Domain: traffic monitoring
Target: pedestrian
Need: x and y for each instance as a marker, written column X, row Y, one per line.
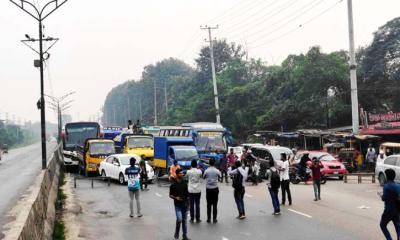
column 179, row 192
column 316, row 176
column 132, row 173
column 194, row 177
column 239, row 174
column 370, row 158
column 172, row 170
column 223, row 167
column 390, row 196
column 143, row 175
column 211, row 175
column 303, row 166
column 273, row 183
column 285, row 183
column 232, row 158
column 381, row 157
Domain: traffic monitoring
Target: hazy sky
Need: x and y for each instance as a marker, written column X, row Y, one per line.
column 104, row 43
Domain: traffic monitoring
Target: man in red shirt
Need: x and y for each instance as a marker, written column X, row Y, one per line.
column 316, row 175
column 232, row 158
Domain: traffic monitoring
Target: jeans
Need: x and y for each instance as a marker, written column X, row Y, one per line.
column 194, row 199
column 143, row 181
column 286, row 190
column 275, row 200
column 386, row 218
column 212, row 202
column 181, row 215
column 317, row 188
column 134, row 194
column 239, row 195
column 224, row 173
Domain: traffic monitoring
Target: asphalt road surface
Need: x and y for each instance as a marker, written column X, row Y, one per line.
column 18, row 169
column 346, row 211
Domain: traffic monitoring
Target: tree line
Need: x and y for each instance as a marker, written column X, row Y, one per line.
column 310, row 90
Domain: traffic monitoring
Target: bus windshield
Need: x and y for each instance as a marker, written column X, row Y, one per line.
column 76, row 134
column 140, row 142
column 102, row 148
column 210, row 142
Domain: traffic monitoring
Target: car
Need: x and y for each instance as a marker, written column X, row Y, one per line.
column 391, row 162
column 332, row 165
column 114, row 167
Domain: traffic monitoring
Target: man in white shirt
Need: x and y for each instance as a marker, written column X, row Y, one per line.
column 381, row 157
column 285, row 182
column 194, row 177
column 238, row 172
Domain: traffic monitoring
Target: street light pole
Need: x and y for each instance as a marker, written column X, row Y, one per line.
column 40, row 16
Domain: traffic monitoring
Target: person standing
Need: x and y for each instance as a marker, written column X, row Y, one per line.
column 133, row 186
column 381, row 157
column 273, row 183
column 212, row 175
column 223, row 167
column 390, row 196
column 239, row 174
column 232, row 158
column 143, row 175
column 172, row 170
column 179, row 192
column 285, row 183
column 370, row 158
column 194, row 177
column 316, row 175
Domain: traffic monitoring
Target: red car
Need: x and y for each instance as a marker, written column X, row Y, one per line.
column 332, row 166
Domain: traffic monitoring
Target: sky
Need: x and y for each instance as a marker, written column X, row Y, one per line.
column 105, row 43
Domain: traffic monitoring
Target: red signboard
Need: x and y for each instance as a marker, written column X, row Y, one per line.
column 383, row 117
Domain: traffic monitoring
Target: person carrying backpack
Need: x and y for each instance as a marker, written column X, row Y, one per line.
column 133, row 186
column 274, row 183
column 239, row 174
column 390, row 196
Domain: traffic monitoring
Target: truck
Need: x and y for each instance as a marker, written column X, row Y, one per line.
column 92, row 153
column 168, row 149
column 139, row 144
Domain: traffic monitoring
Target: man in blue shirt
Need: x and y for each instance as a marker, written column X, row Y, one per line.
column 133, row 186
column 391, row 191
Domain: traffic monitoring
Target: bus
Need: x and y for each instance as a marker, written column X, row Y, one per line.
column 74, row 135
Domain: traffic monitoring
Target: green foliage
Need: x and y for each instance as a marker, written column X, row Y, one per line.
column 14, row 135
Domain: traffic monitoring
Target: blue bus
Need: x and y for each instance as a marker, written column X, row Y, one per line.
column 211, row 139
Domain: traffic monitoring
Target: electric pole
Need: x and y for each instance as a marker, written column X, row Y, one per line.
column 129, row 109
column 213, row 70
column 40, row 16
column 155, row 102
column 166, row 98
column 353, row 71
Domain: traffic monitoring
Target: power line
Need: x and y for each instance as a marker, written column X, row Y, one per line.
column 299, row 26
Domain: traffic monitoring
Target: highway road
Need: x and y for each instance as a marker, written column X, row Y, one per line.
column 347, row 211
column 18, row 170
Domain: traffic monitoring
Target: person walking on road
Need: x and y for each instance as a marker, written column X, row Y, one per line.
column 172, row 170
column 179, row 192
column 212, row 175
column 285, row 183
column 273, row 183
column 239, row 174
column 194, row 177
column 390, row 196
column 223, row 167
column 143, row 175
column 316, row 176
column 232, row 158
column 133, row 186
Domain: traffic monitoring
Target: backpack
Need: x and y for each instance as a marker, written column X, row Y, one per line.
column 133, row 184
column 237, row 182
column 275, row 180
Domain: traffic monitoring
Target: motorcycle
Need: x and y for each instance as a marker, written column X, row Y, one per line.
column 295, row 178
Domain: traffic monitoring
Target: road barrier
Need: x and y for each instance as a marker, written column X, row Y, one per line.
column 92, row 179
column 35, row 213
column 360, row 177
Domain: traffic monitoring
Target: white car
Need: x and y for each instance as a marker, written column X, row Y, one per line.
column 392, row 162
column 114, row 167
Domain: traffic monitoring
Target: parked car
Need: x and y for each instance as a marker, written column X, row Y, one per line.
column 114, row 167
column 391, row 162
column 332, row 165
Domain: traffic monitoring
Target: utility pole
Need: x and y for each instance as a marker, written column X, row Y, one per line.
column 155, row 102
column 166, row 98
column 140, row 109
column 129, row 109
column 40, row 16
column 213, row 70
column 353, row 73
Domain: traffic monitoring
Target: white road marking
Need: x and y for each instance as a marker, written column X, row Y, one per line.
column 158, row 195
column 300, row 213
column 224, row 238
column 248, row 195
column 363, row 207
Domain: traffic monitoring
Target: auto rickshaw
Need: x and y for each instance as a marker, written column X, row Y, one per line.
column 390, row 148
column 349, row 158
